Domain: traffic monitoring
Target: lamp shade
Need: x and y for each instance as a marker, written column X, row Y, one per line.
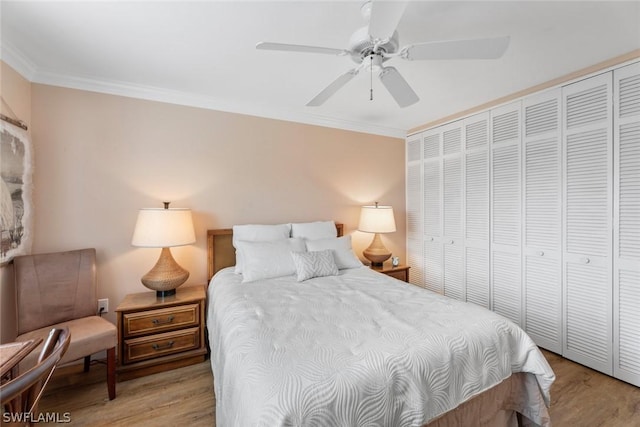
column 163, row 228
column 377, row 219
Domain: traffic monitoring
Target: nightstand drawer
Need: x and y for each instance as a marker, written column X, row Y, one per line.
column 400, row 275
column 400, row 272
column 164, row 319
column 150, row 347
column 158, row 334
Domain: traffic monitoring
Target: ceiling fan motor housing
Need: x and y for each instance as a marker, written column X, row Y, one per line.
column 361, row 45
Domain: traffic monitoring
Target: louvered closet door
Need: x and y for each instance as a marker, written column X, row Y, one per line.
column 505, row 212
column 476, row 209
column 587, row 145
column 415, row 257
column 542, row 203
column 452, row 241
column 432, row 193
column 626, row 265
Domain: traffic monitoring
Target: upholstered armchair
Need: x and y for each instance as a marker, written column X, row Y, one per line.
column 58, row 290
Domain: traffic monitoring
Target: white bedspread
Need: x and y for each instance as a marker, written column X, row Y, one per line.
column 358, row 349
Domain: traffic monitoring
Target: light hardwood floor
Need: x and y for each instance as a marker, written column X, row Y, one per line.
column 580, row 397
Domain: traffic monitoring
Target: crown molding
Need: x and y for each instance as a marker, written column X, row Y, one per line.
column 28, row 70
column 17, row 60
column 151, row 93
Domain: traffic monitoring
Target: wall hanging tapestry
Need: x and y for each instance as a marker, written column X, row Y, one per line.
column 15, row 196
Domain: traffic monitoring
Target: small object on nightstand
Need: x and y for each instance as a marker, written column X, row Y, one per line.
column 400, row 272
column 395, row 261
column 159, row 334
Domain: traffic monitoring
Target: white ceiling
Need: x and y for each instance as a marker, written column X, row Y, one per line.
column 203, row 53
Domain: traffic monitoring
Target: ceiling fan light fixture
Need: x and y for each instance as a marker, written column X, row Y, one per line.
column 373, row 63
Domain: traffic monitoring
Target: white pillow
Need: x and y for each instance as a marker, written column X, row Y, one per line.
column 314, row 230
column 314, row 264
column 341, row 247
column 265, row 260
column 257, row 233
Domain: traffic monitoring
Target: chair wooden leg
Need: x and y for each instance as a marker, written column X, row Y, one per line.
column 87, row 362
column 111, row 372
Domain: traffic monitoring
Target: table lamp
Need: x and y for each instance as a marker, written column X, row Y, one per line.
column 164, row 228
column 377, row 219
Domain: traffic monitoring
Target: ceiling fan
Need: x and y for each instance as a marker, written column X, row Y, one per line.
column 373, row 45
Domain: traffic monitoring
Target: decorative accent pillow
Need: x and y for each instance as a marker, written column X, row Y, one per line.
column 314, row 264
column 314, row 230
column 257, row 233
column 265, row 260
column 341, row 248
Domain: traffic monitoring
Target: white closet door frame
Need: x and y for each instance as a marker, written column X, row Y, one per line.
column 587, row 345
column 432, row 228
column 542, row 254
column 626, row 219
column 599, row 270
column 415, row 257
column 506, row 227
column 476, row 142
column 452, row 210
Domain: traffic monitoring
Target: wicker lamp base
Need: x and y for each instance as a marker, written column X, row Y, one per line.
column 166, row 275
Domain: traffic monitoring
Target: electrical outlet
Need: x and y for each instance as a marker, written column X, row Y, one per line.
column 103, row 304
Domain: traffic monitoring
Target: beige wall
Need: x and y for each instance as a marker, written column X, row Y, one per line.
column 99, row 158
column 16, row 103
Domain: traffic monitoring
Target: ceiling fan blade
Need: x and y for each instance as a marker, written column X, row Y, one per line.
column 491, row 48
column 300, row 48
column 385, row 16
column 398, row 87
column 332, row 88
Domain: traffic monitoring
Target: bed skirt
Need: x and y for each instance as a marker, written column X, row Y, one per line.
column 508, row 404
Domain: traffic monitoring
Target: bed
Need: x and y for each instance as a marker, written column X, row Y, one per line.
column 359, row 348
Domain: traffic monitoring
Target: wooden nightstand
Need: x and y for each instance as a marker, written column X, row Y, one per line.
column 159, row 334
column 400, row 272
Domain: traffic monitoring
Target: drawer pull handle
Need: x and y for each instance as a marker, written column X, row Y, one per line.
column 162, row 347
column 451, row 242
column 540, row 253
column 586, row 260
column 162, row 322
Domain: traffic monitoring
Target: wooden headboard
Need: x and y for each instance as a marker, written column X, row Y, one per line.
column 220, row 251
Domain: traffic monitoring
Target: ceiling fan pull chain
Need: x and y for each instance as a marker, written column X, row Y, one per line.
column 371, row 79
